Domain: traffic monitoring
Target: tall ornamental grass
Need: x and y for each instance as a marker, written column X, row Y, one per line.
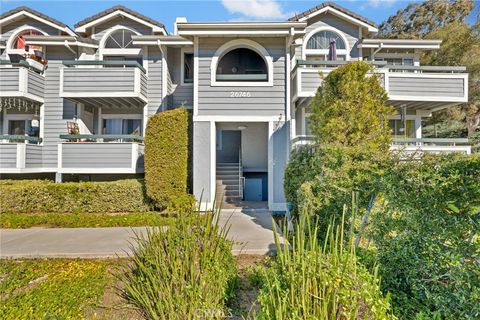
column 310, row 280
column 184, row 272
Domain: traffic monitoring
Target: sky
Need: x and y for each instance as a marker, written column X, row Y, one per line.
column 165, row 11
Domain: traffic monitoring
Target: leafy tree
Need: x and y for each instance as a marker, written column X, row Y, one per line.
column 419, row 19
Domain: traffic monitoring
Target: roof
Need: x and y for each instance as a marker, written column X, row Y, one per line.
column 334, row 6
column 35, row 13
column 118, row 8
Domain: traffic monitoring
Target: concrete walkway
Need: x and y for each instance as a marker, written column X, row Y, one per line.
column 250, row 229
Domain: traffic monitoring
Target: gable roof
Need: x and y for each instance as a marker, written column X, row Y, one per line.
column 81, row 25
column 36, row 15
column 325, row 5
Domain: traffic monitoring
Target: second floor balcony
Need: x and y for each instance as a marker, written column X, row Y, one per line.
column 419, row 84
column 20, row 84
column 111, row 83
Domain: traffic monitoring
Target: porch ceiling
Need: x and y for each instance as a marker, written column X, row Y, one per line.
column 115, row 102
column 422, row 105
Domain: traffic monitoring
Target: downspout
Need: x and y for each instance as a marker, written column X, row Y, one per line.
column 70, row 48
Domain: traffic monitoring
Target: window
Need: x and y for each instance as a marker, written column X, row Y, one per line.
column 122, row 126
column 308, row 125
column 187, row 67
column 321, row 40
column 397, row 61
column 403, row 130
column 19, row 41
column 120, row 39
column 22, row 128
column 242, row 64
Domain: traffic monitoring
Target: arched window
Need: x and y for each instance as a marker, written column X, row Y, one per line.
column 242, row 64
column 19, row 41
column 321, row 40
column 120, row 39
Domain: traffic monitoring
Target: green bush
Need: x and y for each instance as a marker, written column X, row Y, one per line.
column 167, row 152
column 425, row 230
column 313, row 281
column 302, row 166
column 185, row 272
column 42, row 196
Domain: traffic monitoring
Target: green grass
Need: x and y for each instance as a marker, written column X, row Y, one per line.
column 79, row 220
column 52, row 289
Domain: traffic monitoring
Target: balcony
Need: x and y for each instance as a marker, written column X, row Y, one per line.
column 20, row 154
column 102, row 154
column 110, row 83
column 411, row 146
column 20, row 84
column 417, row 87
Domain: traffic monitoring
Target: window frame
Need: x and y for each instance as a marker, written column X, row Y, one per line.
column 184, row 51
column 118, row 51
column 123, row 116
column 319, row 52
column 237, row 44
column 11, row 40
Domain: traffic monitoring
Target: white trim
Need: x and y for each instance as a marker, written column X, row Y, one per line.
column 116, row 51
column 155, row 28
column 370, row 28
column 183, row 51
column 59, row 155
column 121, row 52
column 234, row 33
column 213, row 161
column 195, row 77
column 9, row 45
column 164, row 53
column 42, row 123
column 99, row 170
column 235, row 44
column 270, row 164
column 27, row 170
column 107, row 94
column 252, row 118
column 28, row 14
column 306, row 51
column 134, row 156
column 123, row 116
column 288, row 73
column 61, row 43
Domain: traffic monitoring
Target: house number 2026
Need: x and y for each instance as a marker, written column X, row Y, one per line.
column 240, row 94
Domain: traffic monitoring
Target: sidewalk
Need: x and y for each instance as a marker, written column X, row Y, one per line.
column 251, row 229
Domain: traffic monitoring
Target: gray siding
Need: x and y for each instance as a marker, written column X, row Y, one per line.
column 329, row 20
column 9, row 78
column 33, row 156
column 97, row 155
column 154, row 81
column 268, row 101
column 8, row 155
column 179, row 94
column 201, row 161
column 438, row 87
column 36, row 84
column 103, row 80
column 280, row 159
column 57, row 110
column 310, row 81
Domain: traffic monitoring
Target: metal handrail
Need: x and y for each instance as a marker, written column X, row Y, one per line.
column 449, row 69
column 111, row 63
column 17, row 137
column 101, row 137
column 438, row 141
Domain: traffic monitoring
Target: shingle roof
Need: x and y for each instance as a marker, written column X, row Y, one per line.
column 335, row 6
column 34, row 12
column 116, row 8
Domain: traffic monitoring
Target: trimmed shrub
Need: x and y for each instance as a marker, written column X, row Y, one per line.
column 185, row 272
column 310, row 280
column 42, row 196
column 167, row 153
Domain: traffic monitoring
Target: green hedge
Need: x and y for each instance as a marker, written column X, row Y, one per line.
column 167, row 152
column 41, row 196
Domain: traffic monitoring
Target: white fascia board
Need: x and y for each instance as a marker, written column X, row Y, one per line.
column 345, row 16
column 28, row 14
column 233, row 32
column 62, row 43
column 240, row 25
column 109, row 16
column 163, row 42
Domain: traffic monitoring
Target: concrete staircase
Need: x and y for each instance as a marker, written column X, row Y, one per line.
column 228, row 177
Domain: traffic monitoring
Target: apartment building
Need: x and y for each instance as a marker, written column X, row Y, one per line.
column 75, row 100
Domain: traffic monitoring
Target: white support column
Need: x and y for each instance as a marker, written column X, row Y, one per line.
column 21, row 150
column 270, row 164
column 195, row 76
column 99, row 121
column 213, row 162
column 134, row 157
column 42, row 123
column 58, row 177
column 418, row 127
